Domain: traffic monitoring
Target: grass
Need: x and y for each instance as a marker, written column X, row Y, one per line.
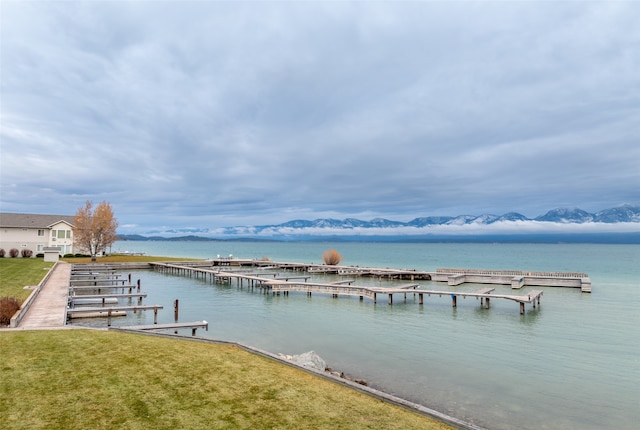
column 17, row 273
column 106, row 379
column 121, row 258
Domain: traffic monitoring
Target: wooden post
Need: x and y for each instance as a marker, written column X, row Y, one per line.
column 521, row 308
column 155, row 315
column 175, row 310
column 420, row 298
column 129, row 277
column 390, row 298
column 454, row 301
column 486, row 303
column 109, row 318
column 138, row 285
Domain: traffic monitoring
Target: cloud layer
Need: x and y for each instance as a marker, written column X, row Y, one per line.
column 212, row 114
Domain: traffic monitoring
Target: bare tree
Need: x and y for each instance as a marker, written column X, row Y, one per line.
column 95, row 229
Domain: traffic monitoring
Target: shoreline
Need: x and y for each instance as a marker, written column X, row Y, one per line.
column 381, row 395
column 61, row 285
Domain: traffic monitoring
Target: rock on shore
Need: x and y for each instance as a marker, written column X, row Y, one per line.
column 311, row 360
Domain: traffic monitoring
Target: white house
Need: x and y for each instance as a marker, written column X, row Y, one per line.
column 36, row 232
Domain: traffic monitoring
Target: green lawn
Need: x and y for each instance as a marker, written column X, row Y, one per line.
column 16, row 273
column 80, row 379
column 121, row 258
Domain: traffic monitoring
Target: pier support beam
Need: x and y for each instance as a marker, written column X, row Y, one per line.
column 454, row 300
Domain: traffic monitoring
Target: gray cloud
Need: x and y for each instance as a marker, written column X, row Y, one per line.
column 214, row 114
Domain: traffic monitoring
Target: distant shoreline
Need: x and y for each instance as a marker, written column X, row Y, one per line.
column 632, row 238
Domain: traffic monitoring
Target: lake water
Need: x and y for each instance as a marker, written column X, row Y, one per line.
column 571, row 363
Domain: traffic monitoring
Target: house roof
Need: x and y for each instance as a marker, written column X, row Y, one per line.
column 33, row 220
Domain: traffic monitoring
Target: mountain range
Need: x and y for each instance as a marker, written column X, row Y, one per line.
column 614, row 222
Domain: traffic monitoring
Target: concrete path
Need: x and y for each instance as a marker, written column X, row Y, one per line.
column 48, row 310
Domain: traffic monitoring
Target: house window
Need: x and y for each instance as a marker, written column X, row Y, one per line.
column 61, row 234
column 40, row 232
column 68, row 234
column 40, row 248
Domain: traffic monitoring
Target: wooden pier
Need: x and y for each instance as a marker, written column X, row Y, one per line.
column 516, row 278
column 170, row 326
column 105, row 277
column 109, row 310
column 73, row 298
column 273, row 284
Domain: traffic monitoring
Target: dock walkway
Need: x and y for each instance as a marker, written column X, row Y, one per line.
column 283, row 284
column 48, row 308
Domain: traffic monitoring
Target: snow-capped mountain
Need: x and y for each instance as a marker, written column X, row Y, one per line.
column 563, row 215
column 624, row 213
column 442, row 224
column 620, row 220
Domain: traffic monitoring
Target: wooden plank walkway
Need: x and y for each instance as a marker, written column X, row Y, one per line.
column 102, row 287
column 106, row 296
column 114, row 308
column 170, row 326
column 516, row 278
column 110, row 310
column 283, row 286
column 48, row 308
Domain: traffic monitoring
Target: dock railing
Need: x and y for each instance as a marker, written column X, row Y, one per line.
column 485, row 272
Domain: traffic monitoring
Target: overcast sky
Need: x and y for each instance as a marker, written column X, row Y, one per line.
column 209, row 114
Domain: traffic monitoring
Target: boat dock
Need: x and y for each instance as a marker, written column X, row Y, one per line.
column 99, row 284
column 516, row 278
column 175, row 326
column 279, row 284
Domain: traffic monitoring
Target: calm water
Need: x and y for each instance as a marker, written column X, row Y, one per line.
column 572, row 363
